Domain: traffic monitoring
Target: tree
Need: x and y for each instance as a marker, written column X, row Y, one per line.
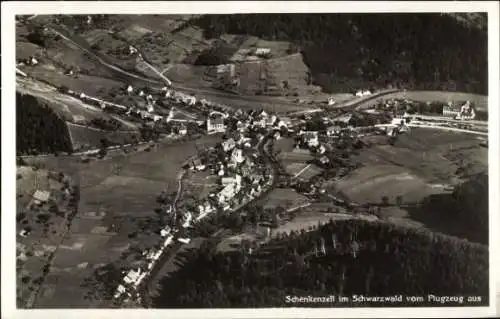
column 399, row 200
column 385, row 200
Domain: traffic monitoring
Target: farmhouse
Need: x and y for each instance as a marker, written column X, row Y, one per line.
column 333, row 130
column 263, row 52
column 41, row 197
column 467, row 112
column 228, row 145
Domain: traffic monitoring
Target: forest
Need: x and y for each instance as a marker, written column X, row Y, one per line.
column 344, row 52
column 338, row 258
column 466, row 207
column 38, row 128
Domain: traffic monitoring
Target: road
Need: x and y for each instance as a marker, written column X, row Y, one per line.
column 187, row 89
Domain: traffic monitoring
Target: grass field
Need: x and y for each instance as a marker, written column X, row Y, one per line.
column 414, row 166
column 284, row 197
column 89, row 138
column 124, row 188
column 88, row 84
column 69, row 108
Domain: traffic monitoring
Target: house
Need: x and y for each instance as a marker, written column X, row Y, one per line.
column 228, row 145
column 33, row 61
column 197, row 165
column 228, row 180
column 311, row 138
column 467, row 112
column 168, row 240
column 41, row 197
column 132, row 276
column 119, row 291
column 324, row 160
column 271, row 120
column 263, row 52
column 184, row 240
column 182, row 130
column 157, row 118
column 165, row 231
column 215, row 124
column 284, row 121
column 331, row 101
column 187, row 219
column 237, row 156
column 241, row 126
column 132, row 50
column 333, row 130
column 277, row 135
column 227, row 193
column 321, row 149
column 130, row 89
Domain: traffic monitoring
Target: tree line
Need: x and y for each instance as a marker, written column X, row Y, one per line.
column 360, row 257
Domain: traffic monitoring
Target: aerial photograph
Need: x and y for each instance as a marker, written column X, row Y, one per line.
column 269, row 160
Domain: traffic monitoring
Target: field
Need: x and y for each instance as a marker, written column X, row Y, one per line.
column 46, row 232
column 115, row 195
column 90, row 85
column 83, row 137
column 421, row 163
column 284, row 197
column 70, row 108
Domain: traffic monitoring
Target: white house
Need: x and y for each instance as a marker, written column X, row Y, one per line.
column 165, row 231
column 331, row 101
column 321, row 149
column 467, row 112
column 157, row 117
column 215, row 124
column 198, row 165
column 141, row 93
column 119, row 291
column 41, row 197
column 228, row 145
column 184, row 240
column 130, row 89
column 187, row 219
column 132, row 276
column 333, row 130
column 262, row 51
column 183, row 130
column 237, row 156
column 228, row 180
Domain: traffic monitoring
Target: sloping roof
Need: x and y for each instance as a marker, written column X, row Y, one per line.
column 42, row 196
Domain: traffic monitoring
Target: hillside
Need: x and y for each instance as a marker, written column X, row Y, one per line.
column 345, row 51
column 369, row 258
column 39, row 129
column 336, row 52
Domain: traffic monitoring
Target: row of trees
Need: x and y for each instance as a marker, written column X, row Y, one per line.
column 39, row 128
column 359, row 257
column 346, row 50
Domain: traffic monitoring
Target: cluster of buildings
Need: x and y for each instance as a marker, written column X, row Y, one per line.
column 464, row 112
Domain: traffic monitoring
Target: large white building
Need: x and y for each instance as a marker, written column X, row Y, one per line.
column 215, row 124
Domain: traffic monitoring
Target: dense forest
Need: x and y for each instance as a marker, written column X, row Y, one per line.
column 465, row 210
column 39, row 129
column 346, row 51
column 360, row 257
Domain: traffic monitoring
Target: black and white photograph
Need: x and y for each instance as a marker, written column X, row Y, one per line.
column 250, row 159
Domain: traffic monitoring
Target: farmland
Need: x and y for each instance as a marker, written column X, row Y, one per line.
column 117, row 196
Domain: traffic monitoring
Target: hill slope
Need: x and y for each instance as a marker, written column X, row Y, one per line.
column 349, row 50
